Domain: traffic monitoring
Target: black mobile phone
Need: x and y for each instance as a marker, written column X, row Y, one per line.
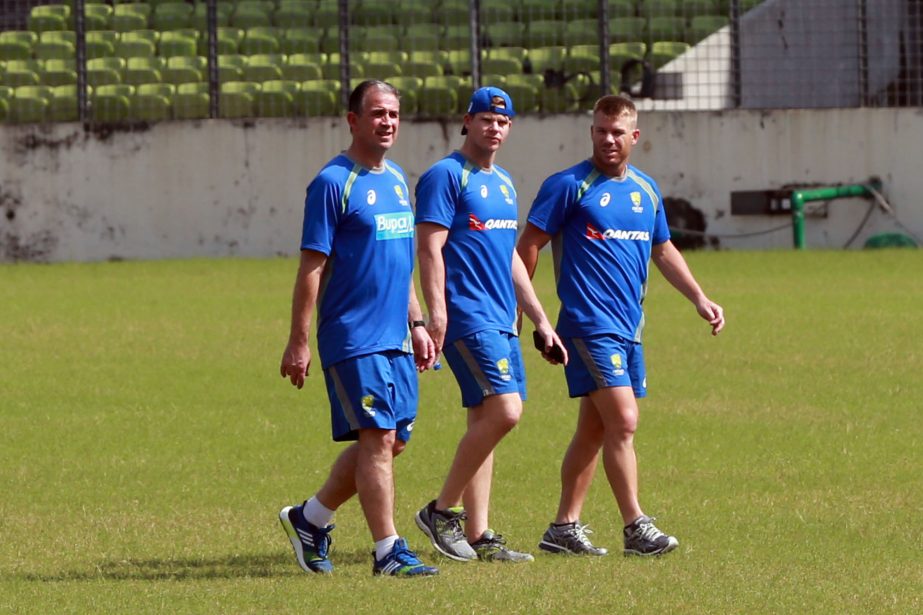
column 555, row 353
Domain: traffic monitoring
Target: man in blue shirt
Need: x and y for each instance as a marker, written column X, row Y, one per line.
column 356, row 265
column 467, row 216
column 606, row 221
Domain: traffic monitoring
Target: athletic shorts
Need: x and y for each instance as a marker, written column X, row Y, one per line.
column 600, row 361
column 373, row 391
column 486, row 363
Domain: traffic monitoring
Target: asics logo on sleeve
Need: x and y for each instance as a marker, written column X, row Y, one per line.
column 493, row 223
column 394, row 225
column 593, row 233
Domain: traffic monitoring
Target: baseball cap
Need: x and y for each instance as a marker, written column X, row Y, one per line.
column 482, row 101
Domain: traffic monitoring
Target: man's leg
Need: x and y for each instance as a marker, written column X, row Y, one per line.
column 374, row 480
column 341, row 483
column 579, row 464
column 618, row 412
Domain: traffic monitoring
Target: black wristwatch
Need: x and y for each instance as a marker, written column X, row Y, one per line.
column 413, row 324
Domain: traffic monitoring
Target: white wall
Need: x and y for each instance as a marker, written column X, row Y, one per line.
column 215, row 188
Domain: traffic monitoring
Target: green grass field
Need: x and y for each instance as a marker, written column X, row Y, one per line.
column 147, row 443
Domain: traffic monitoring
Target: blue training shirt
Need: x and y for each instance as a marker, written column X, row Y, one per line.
column 603, row 229
column 479, row 208
column 363, row 221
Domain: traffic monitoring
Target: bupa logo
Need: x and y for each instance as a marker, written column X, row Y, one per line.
column 636, row 203
column 371, row 197
column 400, row 196
column 397, row 225
column 593, row 233
column 475, row 224
column 604, row 200
column 506, row 194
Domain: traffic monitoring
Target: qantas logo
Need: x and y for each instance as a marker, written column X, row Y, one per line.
column 476, row 225
column 593, row 233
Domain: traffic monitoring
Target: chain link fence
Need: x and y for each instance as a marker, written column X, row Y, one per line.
column 175, row 60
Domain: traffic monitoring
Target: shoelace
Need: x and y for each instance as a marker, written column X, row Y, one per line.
column 649, row 531
column 322, row 542
column 454, row 523
column 580, row 533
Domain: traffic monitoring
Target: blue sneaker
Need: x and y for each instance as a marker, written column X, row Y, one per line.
column 402, row 562
column 311, row 543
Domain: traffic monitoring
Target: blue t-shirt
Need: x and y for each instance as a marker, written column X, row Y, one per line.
column 603, row 229
column 363, row 221
column 479, row 208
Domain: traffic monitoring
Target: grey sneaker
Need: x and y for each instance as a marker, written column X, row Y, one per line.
column 643, row 538
column 569, row 538
column 491, row 547
column 443, row 527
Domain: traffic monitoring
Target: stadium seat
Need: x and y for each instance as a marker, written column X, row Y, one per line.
column 21, row 73
column 582, row 59
column 414, row 68
column 494, row 80
column 436, row 57
column 314, row 102
column 421, row 41
column 328, row 85
column 178, row 70
column 501, row 66
column 516, row 53
column 620, row 53
column 127, row 17
column 459, row 61
column 409, row 88
column 661, row 8
column 29, row 104
column 63, row 105
column 135, row 48
column 326, row 17
column 294, row 14
column 666, row 29
column 101, row 43
column 142, row 70
column 530, row 11
column 228, row 40
column 452, row 13
column 177, row 43
column 456, row 37
column 579, row 9
column 544, row 34
column 48, row 17
column 375, row 13
column 251, row 14
column 541, row 59
column 112, row 103
column 105, row 71
column 331, row 70
column 524, row 96
column 627, row 29
column 437, row 100
column 303, row 67
column 622, row 8
column 153, row 102
column 236, row 99
column 17, row 44
column 506, row 34
column 57, row 72
column 381, row 70
column 702, row 26
column 447, row 81
column 172, row 16
column 581, row 32
column 495, row 11
column 564, row 99
column 300, row 40
column 275, row 99
column 693, row 8
column 396, row 57
column 666, row 51
column 199, row 20
column 191, row 101
column 264, row 67
column 378, row 41
column 261, row 40
column 96, row 16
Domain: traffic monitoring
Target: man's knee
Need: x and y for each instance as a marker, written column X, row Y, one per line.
column 398, row 447
column 377, row 440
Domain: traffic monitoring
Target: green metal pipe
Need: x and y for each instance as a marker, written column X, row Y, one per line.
column 800, row 197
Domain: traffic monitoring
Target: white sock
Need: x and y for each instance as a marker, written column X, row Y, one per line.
column 316, row 513
column 384, row 546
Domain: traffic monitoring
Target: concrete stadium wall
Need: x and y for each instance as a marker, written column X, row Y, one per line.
column 217, row 188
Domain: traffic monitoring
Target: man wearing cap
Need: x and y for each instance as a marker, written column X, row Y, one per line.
column 472, row 277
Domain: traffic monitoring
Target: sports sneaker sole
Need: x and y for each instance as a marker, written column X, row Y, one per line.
column 432, row 539
column 550, row 547
column 293, row 538
column 670, row 546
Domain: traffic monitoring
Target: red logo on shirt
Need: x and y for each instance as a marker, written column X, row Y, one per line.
column 592, row 233
column 474, row 224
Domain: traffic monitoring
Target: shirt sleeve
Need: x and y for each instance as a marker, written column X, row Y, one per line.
column 661, row 228
column 321, row 215
column 550, row 208
column 436, row 196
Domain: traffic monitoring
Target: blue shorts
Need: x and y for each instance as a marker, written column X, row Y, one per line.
column 486, row 363
column 373, row 391
column 600, row 361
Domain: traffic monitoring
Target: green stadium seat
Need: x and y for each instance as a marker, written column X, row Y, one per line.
column 135, row 48
column 101, row 43
column 564, row 99
column 17, row 44
column 581, row 32
column 172, row 16
column 153, row 102
column 261, row 40
column 692, row 8
column 452, row 13
column 29, row 104
column 663, row 52
column 413, row 68
column 229, row 40
column 517, row 53
column 541, row 59
column 128, row 17
column 437, row 100
column 380, row 70
column 57, row 72
column 275, row 99
column 620, row 53
column 578, row 61
column 378, row 41
column 374, row 13
column 326, row 17
column 437, row 57
column 331, row 70
column 236, row 99
column 21, row 73
column 142, row 70
column 501, row 66
column 294, row 14
column 579, row 9
column 231, row 67
column 702, row 26
column 328, row 85
column 627, row 29
column 459, row 61
column 55, row 44
column 111, row 103
column 416, row 11
column 421, row 40
column 493, row 11
column 199, row 19
column 251, row 14
column 409, row 88
column 97, row 16
column 303, row 67
column 314, row 102
column 264, row 67
column 661, row 8
column 330, row 41
column 506, row 34
column 445, row 81
column 622, row 8
column 666, row 29
column 394, row 56
column 300, row 40
column 186, row 69
column 456, row 37
column 524, row 96
column 49, row 17
column 191, row 101
column 538, row 10
column 536, row 81
column 495, row 80
column 177, row 43
column 63, row 104
column 543, row 34
column 105, row 71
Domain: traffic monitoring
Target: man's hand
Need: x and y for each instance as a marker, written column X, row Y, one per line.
column 551, row 339
column 713, row 313
column 424, row 351
column 436, row 329
column 296, row 360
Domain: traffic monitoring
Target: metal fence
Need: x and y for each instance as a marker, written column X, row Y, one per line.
column 174, row 60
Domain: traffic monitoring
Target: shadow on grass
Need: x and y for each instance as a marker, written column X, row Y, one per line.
column 194, row 568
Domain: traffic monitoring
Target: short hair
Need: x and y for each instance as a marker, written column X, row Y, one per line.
column 614, row 105
column 357, row 96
